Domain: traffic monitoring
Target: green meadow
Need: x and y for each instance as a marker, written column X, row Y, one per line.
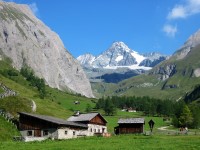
column 123, row 142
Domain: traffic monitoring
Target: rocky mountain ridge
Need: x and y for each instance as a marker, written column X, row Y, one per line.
column 28, row 41
column 120, row 55
column 117, row 63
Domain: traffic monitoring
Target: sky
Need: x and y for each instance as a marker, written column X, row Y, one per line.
column 91, row 26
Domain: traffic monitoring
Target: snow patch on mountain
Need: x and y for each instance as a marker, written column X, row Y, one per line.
column 139, row 58
column 132, row 67
column 119, row 58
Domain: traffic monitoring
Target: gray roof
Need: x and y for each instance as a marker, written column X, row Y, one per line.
column 84, row 117
column 131, row 120
column 55, row 120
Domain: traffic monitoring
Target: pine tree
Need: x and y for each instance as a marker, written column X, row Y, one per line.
column 186, row 118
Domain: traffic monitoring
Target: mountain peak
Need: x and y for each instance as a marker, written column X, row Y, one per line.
column 193, row 40
column 120, row 46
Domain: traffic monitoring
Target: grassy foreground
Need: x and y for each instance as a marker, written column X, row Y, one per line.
column 125, row 142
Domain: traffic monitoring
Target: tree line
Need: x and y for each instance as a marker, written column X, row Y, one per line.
column 34, row 81
column 182, row 114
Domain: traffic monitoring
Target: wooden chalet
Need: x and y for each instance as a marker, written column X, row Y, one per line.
column 95, row 122
column 39, row 127
column 130, row 126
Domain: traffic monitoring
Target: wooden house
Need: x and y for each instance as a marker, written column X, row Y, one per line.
column 39, row 127
column 130, row 126
column 95, row 122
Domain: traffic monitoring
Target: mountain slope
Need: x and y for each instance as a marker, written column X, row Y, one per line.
column 28, row 41
column 55, row 103
column 171, row 79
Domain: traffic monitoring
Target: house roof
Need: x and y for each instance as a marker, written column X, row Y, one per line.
column 54, row 120
column 131, row 120
column 84, row 117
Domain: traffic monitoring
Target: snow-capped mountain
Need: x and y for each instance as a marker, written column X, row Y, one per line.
column 86, row 60
column 120, row 55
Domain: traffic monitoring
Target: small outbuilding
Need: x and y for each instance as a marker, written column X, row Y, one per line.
column 130, row 126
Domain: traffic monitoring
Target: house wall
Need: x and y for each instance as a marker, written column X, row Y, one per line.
column 67, row 133
column 98, row 120
column 94, row 128
column 51, row 133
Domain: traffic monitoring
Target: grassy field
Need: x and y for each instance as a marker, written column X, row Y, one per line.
column 122, row 142
column 7, row 130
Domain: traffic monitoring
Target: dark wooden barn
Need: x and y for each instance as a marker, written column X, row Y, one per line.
column 130, row 126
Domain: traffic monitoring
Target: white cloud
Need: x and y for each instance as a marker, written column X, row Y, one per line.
column 190, row 7
column 34, row 8
column 170, row 30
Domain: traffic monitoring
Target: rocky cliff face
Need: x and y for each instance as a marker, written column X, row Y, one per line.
column 26, row 40
column 165, row 72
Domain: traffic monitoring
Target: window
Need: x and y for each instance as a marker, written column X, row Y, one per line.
column 74, row 133
column 94, row 130
column 99, row 130
column 45, row 132
column 29, row 133
column 91, row 130
column 65, row 132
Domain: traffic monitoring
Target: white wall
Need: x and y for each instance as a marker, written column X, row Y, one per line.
column 93, row 128
column 67, row 133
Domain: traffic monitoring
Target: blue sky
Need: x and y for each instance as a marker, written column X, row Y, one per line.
column 91, row 26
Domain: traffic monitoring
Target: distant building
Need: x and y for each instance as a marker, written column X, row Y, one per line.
column 40, row 127
column 130, row 109
column 130, row 126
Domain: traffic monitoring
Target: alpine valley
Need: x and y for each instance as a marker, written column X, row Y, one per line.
column 173, row 78
column 118, row 92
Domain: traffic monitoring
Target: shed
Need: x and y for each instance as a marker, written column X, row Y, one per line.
column 130, row 126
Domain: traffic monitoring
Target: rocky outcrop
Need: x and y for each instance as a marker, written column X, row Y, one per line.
column 26, row 40
column 164, row 72
column 197, row 72
column 7, row 91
